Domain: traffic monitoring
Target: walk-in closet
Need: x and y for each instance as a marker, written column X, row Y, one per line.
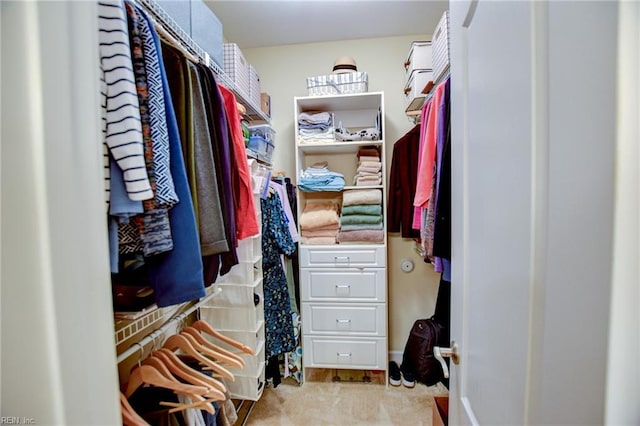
column 319, row 212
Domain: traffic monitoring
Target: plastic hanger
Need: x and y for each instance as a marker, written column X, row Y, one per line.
column 187, row 373
column 224, row 355
column 129, row 415
column 178, row 341
column 205, row 327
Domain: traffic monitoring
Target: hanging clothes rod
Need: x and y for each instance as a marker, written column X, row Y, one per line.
column 159, row 332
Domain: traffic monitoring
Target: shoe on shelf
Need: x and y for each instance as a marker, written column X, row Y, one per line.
column 394, row 374
column 408, row 379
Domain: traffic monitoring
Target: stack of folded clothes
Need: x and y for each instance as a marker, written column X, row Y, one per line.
column 361, row 219
column 319, row 222
column 315, row 127
column 369, row 168
column 318, row 177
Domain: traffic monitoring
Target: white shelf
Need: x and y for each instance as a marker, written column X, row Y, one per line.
column 336, row 147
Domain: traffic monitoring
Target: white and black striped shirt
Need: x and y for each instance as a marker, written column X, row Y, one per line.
column 122, row 133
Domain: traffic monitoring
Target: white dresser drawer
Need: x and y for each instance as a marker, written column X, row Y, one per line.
column 343, row 257
column 345, row 320
column 327, row 352
column 352, row 285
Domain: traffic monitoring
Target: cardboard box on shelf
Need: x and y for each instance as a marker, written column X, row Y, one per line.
column 265, row 103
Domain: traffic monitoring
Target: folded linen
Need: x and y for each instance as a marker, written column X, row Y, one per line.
column 314, row 117
column 313, row 233
column 368, row 181
column 368, row 169
column 363, row 236
column 369, row 152
column 317, row 214
column 361, row 196
column 364, row 158
column 319, row 240
column 359, row 219
column 356, row 227
column 371, row 164
column 372, row 209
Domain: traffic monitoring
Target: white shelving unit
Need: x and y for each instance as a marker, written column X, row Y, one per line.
column 343, row 286
column 235, row 314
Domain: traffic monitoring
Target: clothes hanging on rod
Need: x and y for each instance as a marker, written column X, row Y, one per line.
column 432, row 210
column 178, row 191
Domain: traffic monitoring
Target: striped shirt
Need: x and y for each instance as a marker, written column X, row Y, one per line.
column 122, row 134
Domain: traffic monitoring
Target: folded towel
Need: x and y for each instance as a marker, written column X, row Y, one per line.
column 360, row 219
column 368, row 169
column 369, row 152
column 368, row 182
column 357, row 227
column 319, row 240
column 316, row 214
column 332, row 227
column 314, row 117
column 369, row 174
column 313, row 233
column 373, row 209
column 371, row 163
column 364, row 158
column 364, row 236
column 361, row 196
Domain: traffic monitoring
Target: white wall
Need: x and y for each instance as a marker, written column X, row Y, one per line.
column 283, row 71
column 58, row 352
column 623, row 368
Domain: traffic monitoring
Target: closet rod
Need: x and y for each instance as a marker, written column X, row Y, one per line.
column 151, row 337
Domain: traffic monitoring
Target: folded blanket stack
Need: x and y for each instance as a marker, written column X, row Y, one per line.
column 319, row 222
column 315, row 127
column 361, row 220
column 318, row 177
column 369, row 171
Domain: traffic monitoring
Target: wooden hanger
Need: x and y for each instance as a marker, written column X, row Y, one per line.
column 214, row 356
column 195, row 377
column 129, row 415
column 179, row 341
column 146, row 374
column 223, row 355
column 203, row 401
column 205, row 327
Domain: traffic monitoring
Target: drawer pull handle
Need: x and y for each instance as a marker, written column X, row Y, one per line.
column 343, row 285
column 344, row 354
column 341, row 259
column 343, row 320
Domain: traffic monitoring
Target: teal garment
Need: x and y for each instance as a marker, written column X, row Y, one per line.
column 359, row 219
column 371, row 209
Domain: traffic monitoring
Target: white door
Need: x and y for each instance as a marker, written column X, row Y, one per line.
column 533, row 137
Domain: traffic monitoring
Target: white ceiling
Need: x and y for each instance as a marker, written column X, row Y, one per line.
column 261, row 23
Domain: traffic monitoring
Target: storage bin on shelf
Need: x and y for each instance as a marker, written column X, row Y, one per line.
column 254, row 86
column 263, row 130
column 262, row 148
column 413, row 96
column 237, row 67
column 440, row 49
column 420, row 58
column 335, row 84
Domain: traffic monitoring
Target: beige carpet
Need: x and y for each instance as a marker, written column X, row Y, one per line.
column 319, row 401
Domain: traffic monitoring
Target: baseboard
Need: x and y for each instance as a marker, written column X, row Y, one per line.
column 396, row 356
